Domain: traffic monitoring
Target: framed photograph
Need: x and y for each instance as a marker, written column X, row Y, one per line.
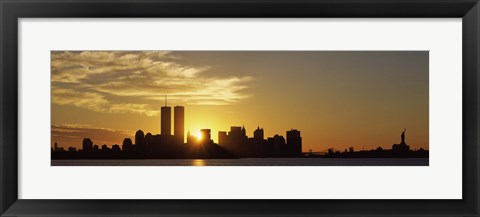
column 227, row 108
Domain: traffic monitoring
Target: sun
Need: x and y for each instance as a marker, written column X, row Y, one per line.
column 199, row 136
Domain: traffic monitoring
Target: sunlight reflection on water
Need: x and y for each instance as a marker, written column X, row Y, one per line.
column 198, row 162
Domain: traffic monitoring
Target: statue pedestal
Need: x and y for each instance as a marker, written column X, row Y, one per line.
column 402, row 147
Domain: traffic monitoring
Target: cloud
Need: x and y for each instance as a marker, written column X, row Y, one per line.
column 97, row 102
column 133, row 108
column 73, row 134
column 107, row 81
column 90, row 100
column 80, row 128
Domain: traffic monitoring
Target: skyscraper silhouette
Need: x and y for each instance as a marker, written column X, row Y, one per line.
column 258, row 133
column 222, row 138
column 279, row 146
column 140, row 140
column 87, row 145
column 190, row 139
column 166, row 120
column 148, row 139
column 206, row 135
column 236, row 140
column 294, row 141
column 179, row 124
column 127, row 145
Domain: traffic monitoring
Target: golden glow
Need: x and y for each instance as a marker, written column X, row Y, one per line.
column 199, row 136
column 198, row 162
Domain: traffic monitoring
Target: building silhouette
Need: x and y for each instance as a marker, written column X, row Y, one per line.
column 116, row 148
column 127, row 145
column 222, row 137
column 166, row 119
column 294, row 141
column 258, row 146
column 105, row 148
column 140, row 140
column 87, row 145
column 279, row 145
column 206, row 136
column 258, row 134
column 237, row 142
column 148, row 140
column 190, row 139
column 179, row 124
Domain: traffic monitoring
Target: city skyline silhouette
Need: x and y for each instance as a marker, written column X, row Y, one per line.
column 233, row 144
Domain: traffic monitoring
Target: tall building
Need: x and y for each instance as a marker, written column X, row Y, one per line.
column 87, row 145
column 179, row 124
column 127, row 145
column 222, row 138
column 294, row 142
column 206, row 136
column 237, row 140
column 116, row 148
column 235, row 130
column 166, row 120
column 191, row 139
column 258, row 133
column 105, row 147
column 140, row 140
column 148, row 140
column 279, row 146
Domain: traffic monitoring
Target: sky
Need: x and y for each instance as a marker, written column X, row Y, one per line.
column 336, row 99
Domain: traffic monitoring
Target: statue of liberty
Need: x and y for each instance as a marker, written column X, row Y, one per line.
column 402, row 147
column 403, row 136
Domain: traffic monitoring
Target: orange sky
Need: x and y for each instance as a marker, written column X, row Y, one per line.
column 336, row 99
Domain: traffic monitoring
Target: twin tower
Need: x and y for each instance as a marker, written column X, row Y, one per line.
column 178, row 119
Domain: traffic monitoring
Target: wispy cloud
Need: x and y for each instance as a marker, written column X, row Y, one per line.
column 107, row 81
column 73, row 134
column 95, row 101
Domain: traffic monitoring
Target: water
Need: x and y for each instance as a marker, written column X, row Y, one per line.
column 251, row 162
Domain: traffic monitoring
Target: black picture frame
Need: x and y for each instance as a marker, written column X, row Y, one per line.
column 12, row 10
